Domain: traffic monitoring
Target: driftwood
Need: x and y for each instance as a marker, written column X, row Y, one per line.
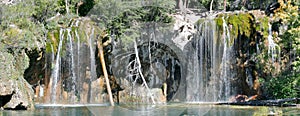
column 279, row 102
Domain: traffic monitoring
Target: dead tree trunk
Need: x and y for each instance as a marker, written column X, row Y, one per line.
column 67, row 7
column 211, row 5
column 224, row 5
column 101, row 55
column 78, row 5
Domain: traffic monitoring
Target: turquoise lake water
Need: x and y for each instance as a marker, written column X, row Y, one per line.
column 153, row 110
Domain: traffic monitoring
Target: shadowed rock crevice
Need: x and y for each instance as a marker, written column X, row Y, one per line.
column 4, row 99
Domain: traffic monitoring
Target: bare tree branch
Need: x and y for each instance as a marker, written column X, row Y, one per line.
column 140, row 71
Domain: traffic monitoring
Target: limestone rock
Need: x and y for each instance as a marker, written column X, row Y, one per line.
column 22, row 99
column 11, row 79
column 9, row 2
column 140, row 95
column 97, row 90
column 184, row 31
column 6, row 87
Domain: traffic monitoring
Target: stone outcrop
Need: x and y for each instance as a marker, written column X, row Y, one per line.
column 12, row 82
column 185, row 30
column 22, row 97
column 9, row 2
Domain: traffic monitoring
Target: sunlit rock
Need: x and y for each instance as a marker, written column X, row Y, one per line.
column 184, row 31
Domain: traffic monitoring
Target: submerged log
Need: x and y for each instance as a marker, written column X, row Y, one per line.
column 279, row 102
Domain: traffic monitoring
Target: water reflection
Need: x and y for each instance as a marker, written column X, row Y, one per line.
column 57, row 111
column 156, row 110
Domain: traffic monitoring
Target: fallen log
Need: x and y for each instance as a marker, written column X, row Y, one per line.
column 101, row 55
column 279, row 102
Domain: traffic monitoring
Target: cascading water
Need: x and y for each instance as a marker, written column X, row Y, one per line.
column 208, row 72
column 73, row 77
column 272, row 46
column 72, row 67
column 92, row 62
column 55, row 73
column 225, row 73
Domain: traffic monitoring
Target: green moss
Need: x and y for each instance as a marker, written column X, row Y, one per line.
column 246, row 24
column 234, row 30
column 263, row 26
column 219, row 22
column 56, row 34
column 239, row 24
column 48, row 48
column 200, row 21
column 52, row 40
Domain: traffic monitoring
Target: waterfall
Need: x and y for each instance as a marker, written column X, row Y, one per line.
column 225, row 73
column 73, row 74
column 92, row 62
column 208, row 72
column 272, row 45
column 72, row 67
column 78, row 49
column 55, row 73
column 92, row 55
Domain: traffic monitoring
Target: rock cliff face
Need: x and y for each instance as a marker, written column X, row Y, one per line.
column 11, row 81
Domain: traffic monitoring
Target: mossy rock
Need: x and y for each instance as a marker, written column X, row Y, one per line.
column 239, row 24
column 80, row 32
column 263, row 26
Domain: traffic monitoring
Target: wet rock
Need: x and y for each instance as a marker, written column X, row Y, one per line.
column 158, row 95
column 97, row 91
column 141, row 95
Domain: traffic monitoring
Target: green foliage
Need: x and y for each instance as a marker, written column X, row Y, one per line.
column 110, row 9
column 21, row 30
column 263, row 26
column 44, row 9
column 233, row 4
column 286, row 84
column 7, row 61
column 12, row 64
column 17, row 14
column 86, row 7
column 132, row 17
column 71, row 6
column 205, row 3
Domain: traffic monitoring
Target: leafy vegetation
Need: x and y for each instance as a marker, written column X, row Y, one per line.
column 231, row 4
column 287, row 84
column 143, row 14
